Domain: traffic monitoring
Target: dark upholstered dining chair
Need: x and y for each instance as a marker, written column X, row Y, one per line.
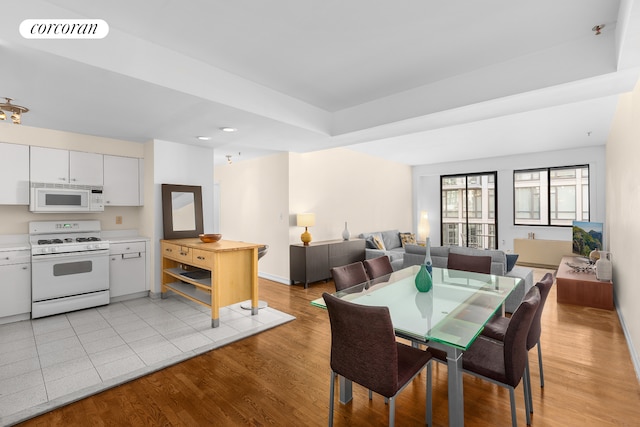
column 349, row 275
column 503, row 363
column 472, row 263
column 378, row 267
column 497, row 327
column 364, row 350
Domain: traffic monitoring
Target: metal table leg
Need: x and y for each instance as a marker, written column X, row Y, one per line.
column 456, row 395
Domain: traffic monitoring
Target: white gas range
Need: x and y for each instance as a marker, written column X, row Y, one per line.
column 70, row 266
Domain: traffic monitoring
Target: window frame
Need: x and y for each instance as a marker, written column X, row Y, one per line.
column 463, row 206
column 548, row 171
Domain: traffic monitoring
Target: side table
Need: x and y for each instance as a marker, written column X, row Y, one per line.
column 582, row 288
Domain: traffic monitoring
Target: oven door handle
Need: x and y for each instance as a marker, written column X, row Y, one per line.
column 76, row 255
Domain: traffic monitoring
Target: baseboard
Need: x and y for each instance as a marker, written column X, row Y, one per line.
column 536, row 265
column 632, row 351
column 273, row 278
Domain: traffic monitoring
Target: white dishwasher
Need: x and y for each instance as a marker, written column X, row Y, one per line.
column 15, row 285
column 127, row 270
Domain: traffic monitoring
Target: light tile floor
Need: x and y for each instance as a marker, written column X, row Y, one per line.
column 48, row 362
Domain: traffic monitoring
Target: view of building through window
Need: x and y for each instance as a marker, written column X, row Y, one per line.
column 469, row 210
column 551, row 196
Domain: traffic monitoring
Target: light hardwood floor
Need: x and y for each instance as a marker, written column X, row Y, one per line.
column 281, row 378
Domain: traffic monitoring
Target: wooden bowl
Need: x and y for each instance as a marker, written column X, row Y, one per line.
column 210, row 238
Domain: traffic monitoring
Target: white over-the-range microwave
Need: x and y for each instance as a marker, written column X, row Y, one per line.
column 53, row 198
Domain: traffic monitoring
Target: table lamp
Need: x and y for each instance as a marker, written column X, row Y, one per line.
column 306, row 220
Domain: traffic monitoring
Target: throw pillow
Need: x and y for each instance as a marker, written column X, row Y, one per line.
column 511, row 261
column 379, row 243
column 407, row 238
column 370, row 244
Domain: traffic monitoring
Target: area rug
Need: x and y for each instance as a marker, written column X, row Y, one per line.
column 115, row 344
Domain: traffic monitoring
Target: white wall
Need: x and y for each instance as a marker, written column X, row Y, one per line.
column 254, row 200
column 15, row 219
column 426, row 180
column 261, row 197
column 338, row 185
column 184, row 165
column 622, row 230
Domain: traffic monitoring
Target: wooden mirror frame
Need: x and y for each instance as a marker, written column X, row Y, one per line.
column 167, row 211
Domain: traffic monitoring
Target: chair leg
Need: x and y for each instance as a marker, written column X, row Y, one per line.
column 540, row 365
column 527, row 386
column 331, row 397
column 526, row 404
column 392, row 411
column 429, row 396
column 370, row 395
column 512, row 399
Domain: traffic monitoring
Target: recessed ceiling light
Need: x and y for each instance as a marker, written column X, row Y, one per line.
column 204, row 138
column 228, row 129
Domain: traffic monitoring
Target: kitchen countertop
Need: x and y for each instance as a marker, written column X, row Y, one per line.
column 123, row 236
column 14, row 242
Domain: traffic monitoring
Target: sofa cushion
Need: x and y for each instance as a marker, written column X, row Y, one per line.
column 407, row 238
column 378, row 243
column 368, row 237
column 414, row 255
column 390, row 238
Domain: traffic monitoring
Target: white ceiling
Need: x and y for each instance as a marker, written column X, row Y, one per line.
column 413, row 81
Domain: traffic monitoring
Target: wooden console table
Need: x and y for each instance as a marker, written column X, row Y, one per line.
column 212, row 274
column 582, row 288
column 314, row 262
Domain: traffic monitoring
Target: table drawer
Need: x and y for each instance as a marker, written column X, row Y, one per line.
column 202, row 258
column 176, row 252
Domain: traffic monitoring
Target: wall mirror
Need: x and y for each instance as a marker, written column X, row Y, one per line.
column 182, row 211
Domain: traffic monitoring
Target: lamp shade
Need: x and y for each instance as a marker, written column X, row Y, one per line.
column 306, row 219
column 423, row 226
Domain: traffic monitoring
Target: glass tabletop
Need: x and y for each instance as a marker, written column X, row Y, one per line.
column 453, row 312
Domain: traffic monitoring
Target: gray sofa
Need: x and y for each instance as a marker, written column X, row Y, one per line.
column 392, row 243
column 414, row 255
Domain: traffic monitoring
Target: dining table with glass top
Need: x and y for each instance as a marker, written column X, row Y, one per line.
column 448, row 317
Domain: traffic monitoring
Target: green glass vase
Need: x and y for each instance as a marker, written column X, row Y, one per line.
column 424, row 282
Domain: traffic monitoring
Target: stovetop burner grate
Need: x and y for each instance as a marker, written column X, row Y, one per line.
column 87, row 239
column 49, row 241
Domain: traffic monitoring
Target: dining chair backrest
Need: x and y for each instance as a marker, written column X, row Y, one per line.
column 378, row 267
column 472, row 263
column 349, row 275
column 363, row 345
column 535, row 330
column 515, row 338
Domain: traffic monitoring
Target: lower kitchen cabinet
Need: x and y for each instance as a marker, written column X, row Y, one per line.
column 127, row 270
column 15, row 284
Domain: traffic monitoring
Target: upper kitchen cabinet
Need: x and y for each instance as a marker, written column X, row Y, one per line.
column 122, row 181
column 85, row 168
column 14, row 174
column 52, row 165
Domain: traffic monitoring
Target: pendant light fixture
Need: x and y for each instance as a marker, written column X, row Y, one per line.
column 15, row 110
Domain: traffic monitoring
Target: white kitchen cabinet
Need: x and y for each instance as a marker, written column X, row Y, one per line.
column 15, row 284
column 14, row 174
column 52, row 165
column 86, row 168
column 121, row 181
column 127, row 270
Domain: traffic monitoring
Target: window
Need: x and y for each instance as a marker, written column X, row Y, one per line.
column 469, row 210
column 551, row 196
